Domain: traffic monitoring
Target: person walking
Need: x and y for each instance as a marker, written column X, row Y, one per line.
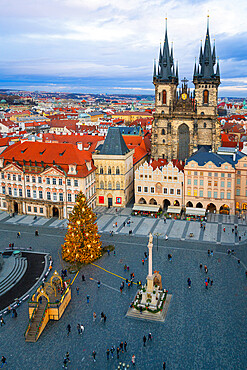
column 164, row 365
column 144, row 340
column 189, row 283
column 118, row 350
column 206, row 283
column 143, row 262
column 82, row 329
column 67, row 356
column 102, row 316
column 79, row 328
column 133, row 360
column 200, row 266
column 77, row 290
column 125, row 267
column 112, row 351
column 94, row 317
column 3, row 361
column 94, row 356
column 211, row 282
column 121, row 347
column 98, row 284
column 149, row 336
column 88, row 298
column 125, row 346
column 2, row 322
column 65, row 361
column 107, row 353
column 121, row 289
column 68, row 329
column 82, row 278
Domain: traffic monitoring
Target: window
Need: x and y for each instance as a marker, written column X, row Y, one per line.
column 29, row 208
column 33, row 179
column 69, row 197
column 228, row 195
column 54, row 196
column 2, row 175
column 118, row 185
column 35, row 209
column 171, row 191
column 76, row 182
column 201, row 173
column 34, row 194
column 201, row 182
column 238, row 181
column 101, row 184
column 60, row 181
column 229, row 184
column 145, row 189
column 8, row 176
column 238, row 172
column 204, row 125
column 216, row 174
column 10, row 191
column 209, row 194
column 54, row 181
column 222, row 195
column 226, row 167
column 109, row 170
column 68, row 182
column 109, row 185
column 164, row 97
column 41, row 210
column 101, row 170
column 195, row 173
column 189, row 181
column 238, row 192
column 175, row 178
column 48, row 180
column 40, row 194
column 163, row 132
column 39, row 180
column 117, row 171
column 14, row 177
column 222, row 184
column 19, row 177
column 215, row 183
column 28, row 193
column 27, row 178
column 178, row 191
column 15, row 192
column 139, row 189
column 245, row 165
column 189, row 192
column 209, row 183
column 20, row 192
column 201, row 193
column 60, row 197
column 209, row 166
column 195, row 182
column 3, row 189
column 205, row 96
column 215, row 194
column 210, row 174
column 165, row 190
column 229, row 175
column 48, row 195
column 222, row 175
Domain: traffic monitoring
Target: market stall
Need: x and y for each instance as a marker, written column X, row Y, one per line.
column 151, row 210
column 174, row 212
column 196, row 214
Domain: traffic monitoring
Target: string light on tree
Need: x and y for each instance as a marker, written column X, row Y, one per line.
column 82, row 241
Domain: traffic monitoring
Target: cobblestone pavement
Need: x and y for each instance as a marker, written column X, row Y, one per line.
column 204, row 329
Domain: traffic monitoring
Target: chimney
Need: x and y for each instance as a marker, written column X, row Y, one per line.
column 79, row 146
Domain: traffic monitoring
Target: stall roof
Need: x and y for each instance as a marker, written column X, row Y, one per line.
column 195, row 211
column 174, row 209
column 146, row 207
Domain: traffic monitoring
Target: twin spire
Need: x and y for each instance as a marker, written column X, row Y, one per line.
column 166, row 71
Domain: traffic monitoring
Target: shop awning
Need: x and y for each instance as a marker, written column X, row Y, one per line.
column 190, row 211
column 174, row 209
column 146, row 207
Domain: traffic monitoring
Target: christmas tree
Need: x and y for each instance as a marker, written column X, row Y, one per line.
column 82, row 241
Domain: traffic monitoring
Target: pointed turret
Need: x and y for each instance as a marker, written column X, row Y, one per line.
column 154, row 68
column 195, row 71
column 177, row 71
column 213, row 56
column 217, row 74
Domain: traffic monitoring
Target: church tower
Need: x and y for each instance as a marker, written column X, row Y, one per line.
column 182, row 120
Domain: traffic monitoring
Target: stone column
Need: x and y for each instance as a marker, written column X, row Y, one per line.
column 150, row 265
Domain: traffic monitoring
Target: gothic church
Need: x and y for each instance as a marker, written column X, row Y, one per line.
column 183, row 121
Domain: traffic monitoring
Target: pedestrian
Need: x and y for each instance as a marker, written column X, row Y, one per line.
column 239, row 238
column 112, row 351
column 212, row 253
column 149, row 336
column 94, row 356
column 98, row 284
column 206, row 283
column 107, row 353
column 128, row 268
column 77, row 290
column 82, row 278
column 88, row 298
column 65, row 361
column 211, row 283
column 205, row 268
column 3, row 361
column 204, row 227
column 116, row 224
column 2, row 322
column 166, row 237
column 133, row 360
column 141, row 309
column 102, row 316
column 68, row 329
column 18, row 235
column 67, row 356
column 121, row 347
column 121, row 289
column 143, row 262
column 94, row 317
column 125, row 346
column 232, row 230
column 238, row 261
column 224, row 229
column 189, row 283
column 124, row 224
column 208, row 280
column 208, row 252
column 79, row 328
column 164, row 365
column 114, row 253
column 144, row 340
column 82, row 329
column 164, row 219
column 36, row 233
column 118, row 350
column 200, row 266
column 125, row 267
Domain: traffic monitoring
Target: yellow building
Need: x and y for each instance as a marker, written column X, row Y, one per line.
column 114, row 174
column 241, row 185
column 130, row 116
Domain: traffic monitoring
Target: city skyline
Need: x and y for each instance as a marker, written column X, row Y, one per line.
column 110, row 48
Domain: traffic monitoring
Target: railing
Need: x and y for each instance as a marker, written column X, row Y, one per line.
column 30, row 320
column 42, row 317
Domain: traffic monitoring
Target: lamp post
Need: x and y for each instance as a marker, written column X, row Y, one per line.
column 157, row 235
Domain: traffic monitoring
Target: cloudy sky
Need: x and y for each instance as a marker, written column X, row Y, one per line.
column 109, row 45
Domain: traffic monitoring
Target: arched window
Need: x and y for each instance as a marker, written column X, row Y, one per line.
column 117, row 171
column 101, row 170
column 164, row 97
column 164, row 141
column 118, row 185
column 205, row 125
column 163, row 132
column 159, row 96
column 109, row 170
column 205, row 96
column 109, row 185
column 102, row 185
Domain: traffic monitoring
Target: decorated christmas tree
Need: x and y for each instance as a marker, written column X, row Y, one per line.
column 82, row 241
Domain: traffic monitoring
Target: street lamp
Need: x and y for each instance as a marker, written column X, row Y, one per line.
column 158, row 234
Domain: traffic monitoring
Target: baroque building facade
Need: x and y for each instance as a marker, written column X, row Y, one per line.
column 183, row 121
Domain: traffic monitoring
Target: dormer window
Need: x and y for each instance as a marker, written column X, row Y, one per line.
column 72, row 169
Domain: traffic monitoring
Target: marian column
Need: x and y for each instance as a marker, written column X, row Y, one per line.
column 150, row 283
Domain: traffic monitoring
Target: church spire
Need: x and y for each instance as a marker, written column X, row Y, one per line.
column 217, row 74
column 154, row 68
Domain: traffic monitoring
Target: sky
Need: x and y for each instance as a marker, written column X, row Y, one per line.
column 108, row 46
